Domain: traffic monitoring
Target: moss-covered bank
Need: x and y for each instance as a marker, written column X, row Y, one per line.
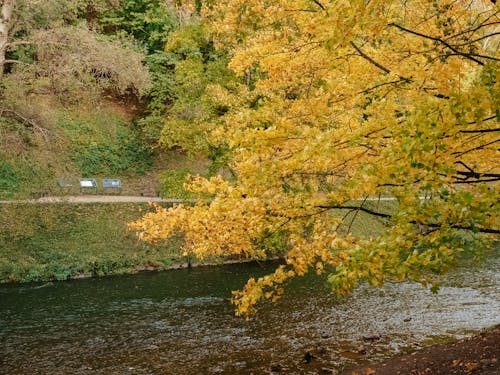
column 41, row 242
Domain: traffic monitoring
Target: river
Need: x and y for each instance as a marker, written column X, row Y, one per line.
column 181, row 322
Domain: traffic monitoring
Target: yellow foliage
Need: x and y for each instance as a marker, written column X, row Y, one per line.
column 346, row 101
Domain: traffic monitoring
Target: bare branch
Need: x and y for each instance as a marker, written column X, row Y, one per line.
column 366, row 57
column 319, row 4
column 379, row 214
column 24, row 120
column 358, row 208
column 459, row 154
column 477, row 39
column 480, row 130
column 448, row 45
column 10, row 61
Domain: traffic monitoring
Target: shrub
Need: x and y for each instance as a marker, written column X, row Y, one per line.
column 172, row 184
column 9, row 181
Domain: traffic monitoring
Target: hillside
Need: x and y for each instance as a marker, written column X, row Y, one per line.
column 102, row 142
column 102, row 89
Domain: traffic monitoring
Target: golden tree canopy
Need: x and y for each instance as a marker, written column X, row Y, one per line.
column 342, row 102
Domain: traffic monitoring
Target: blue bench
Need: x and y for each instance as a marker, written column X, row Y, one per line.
column 111, row 183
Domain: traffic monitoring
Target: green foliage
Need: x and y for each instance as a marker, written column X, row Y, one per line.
column 106, row 145
column 148, row 21
column 199, row 73
column 61, row 241
column 22, row 176
column 172, row 184
column 274, row 243
column 220, row 157
column 160, row 96
column 127, row 154
column 9, row 180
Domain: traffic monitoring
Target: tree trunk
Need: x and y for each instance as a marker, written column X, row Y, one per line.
column 6, row 13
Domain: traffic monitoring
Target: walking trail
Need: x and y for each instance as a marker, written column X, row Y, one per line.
column 97, row 199
column 126, row 199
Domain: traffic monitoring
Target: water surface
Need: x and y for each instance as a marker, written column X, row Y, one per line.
column 181, row 322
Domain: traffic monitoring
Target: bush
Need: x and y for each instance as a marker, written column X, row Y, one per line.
column 105, row 145
column 9, row 181
column 172, row 184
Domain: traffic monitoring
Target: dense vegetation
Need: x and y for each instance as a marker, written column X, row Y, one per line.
column 102, row 89
column 62, row 241
column 85, row 90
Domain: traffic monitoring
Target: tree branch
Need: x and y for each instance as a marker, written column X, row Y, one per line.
column 480, row 130
column 319, row 4
column 474, row 29
column 9, row 61
column 459, row 154
column 464, row 54
column 379, row 214
column 24, row 120
column 359, row 208
column 470, row 182
column 382, row 84
column 366, row 57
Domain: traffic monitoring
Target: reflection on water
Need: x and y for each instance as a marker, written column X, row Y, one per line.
column 180, row 322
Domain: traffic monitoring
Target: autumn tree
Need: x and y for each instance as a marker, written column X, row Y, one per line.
column 343, row 105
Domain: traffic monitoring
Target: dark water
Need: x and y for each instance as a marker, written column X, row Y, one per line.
column 180, row 322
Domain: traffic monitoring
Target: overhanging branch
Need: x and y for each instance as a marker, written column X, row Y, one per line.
column 443, row 42
column 368, row 58
column 432, row 225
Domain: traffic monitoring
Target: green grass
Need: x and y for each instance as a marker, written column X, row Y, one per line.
column 60, row 241
column 363, row 224
column 42, row 242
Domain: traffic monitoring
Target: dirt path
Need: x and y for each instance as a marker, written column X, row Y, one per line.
column 129, row 199
column 96, row 199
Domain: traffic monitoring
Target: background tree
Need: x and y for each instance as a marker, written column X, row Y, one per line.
column 200, row 73
column 347, row 101
column 5, row 22
column 21, row 17
column 51, row 51
column 149, row 21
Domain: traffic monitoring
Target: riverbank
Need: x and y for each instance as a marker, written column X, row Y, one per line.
column 62, row 238
column 50, row 242
column 79, row 239
column 478, row 354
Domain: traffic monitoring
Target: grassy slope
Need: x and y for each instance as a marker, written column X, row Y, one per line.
column 41, row 242
column 60, row 241
column 99, row 142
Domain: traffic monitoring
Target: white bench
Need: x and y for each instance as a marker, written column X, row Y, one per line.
column 88, row 183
